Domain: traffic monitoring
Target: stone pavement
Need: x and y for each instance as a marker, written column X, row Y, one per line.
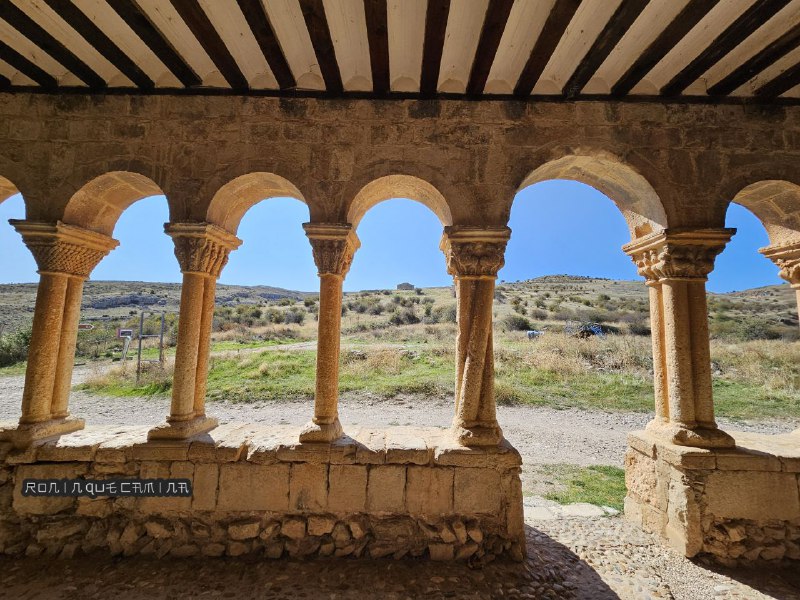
column 569, row 557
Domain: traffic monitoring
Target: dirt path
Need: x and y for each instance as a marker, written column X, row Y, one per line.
column 542, row 435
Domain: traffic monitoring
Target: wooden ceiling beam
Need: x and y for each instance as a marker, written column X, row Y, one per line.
column 436, row 16
column 257, row 19
column 75, row 18
column 378, row 37
column 494, row 24
column 738, row 31
column 756, row 64
column 37, row 35
column 202, row 28
column 26, row 67
column 320, row 33
column 681, row 25
column 554, row 27
column 152, row 37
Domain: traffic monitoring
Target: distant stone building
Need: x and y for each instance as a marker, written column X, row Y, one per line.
column 405, row 286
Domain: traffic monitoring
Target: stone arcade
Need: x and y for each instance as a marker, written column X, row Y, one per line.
column 672, row 163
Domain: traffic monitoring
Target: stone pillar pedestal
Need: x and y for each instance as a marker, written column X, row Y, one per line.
column 676, row 264
column 474, row 256
column 333, row 246
column 65, row 255
column 202, row 251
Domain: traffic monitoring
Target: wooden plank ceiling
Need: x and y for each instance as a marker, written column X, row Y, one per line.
column 649, row 49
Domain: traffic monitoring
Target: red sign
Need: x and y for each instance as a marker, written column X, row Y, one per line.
column 85, row 326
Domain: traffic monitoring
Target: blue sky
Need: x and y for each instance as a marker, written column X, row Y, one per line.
column 558, row 227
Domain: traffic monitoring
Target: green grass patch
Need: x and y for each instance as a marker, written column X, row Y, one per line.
column 599, row 485
column 15, row 369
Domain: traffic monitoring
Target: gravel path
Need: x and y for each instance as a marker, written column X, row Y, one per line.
column 542, row 435
column 602, row 558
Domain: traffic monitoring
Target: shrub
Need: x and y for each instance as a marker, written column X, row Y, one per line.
column 294, row 316
column 14, row 347
column 517, row 323
column 404, row 316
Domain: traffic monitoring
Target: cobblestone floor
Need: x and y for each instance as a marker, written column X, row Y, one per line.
column 571, row 558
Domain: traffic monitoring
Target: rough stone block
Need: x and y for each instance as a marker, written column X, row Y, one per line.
column 476, row 491
column 747, row 461
column 347, row 492
column 386, row 488
column 253, row 487
column 429, row 490
column 407, row 446
column 308, row 487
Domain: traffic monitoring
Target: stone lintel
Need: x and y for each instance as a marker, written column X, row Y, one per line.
column 26, row 435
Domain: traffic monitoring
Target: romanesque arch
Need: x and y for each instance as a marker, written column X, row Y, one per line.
column 235, row 198
column 628, row 189
column 98, row 205
column 7, row 189
column 398, row 186
column 776, row 203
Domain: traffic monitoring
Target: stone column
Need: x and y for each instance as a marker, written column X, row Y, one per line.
column 202, row 251
column 787, row 258
column 474, row 256
column 333, row 245
column 65, row 255
column 676, row 264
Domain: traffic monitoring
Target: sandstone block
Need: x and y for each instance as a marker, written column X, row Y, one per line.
column 752, row 495
column 320, row 525
column 386, row 488
column 308, row 487
column 42, row 505
column 253, row 487
column 476, row 491
column 204, row 486
column 347, row 491
column 440, row 552
column 429, row 490
column 294, row 529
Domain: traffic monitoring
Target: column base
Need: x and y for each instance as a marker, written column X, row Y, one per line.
column 700, row 437
column 321, row 432
column 181, row 430
column 26, row 434
column 478, row 434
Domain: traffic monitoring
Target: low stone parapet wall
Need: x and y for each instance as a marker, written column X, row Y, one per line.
column 738, row 505
column 256, row 490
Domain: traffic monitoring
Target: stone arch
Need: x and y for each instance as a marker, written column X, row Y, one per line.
column 398, row 186
column 633, row 195
column 98, row 205
column 235, row 198
column 776, row 203
column 7, row 189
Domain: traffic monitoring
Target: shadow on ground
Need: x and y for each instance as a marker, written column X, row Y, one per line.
column 551, row 571
column 779, row 583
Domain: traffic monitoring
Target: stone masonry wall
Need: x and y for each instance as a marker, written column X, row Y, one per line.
column 738, row 506
column 696, row 157
column 399, row 492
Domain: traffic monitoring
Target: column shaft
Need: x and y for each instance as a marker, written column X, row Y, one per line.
column 326, row 395
column 701, row 355
column 657, row 336
column 186, row 352
column 66, row 353
column 43, row 351
column 204, row 346
column 678, row 352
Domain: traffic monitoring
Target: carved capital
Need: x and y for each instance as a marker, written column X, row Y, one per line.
column 474, row 251
column 61, row 248
column 678, row 254
column 201, row 247
column 787, row 259
column 333, row 245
